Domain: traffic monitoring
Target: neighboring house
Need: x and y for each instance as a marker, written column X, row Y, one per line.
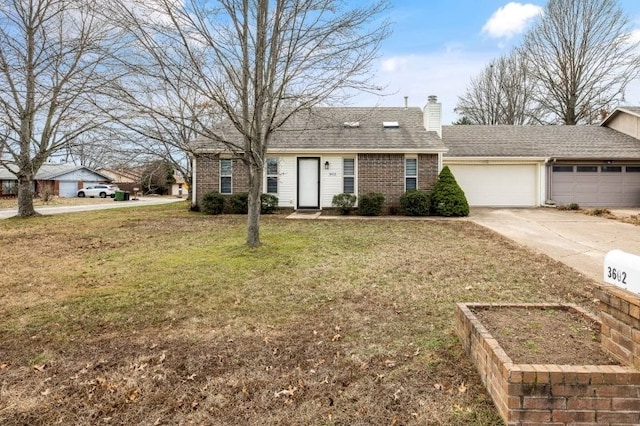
column 527, row 166
column 180, row 188
column 64, row 179
column 120, row 175
column 126, row 179
column 327, row 151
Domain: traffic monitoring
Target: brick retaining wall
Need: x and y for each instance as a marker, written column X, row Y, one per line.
column 549, row 394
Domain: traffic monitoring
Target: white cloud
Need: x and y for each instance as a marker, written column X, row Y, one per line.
column 511, row 19
column 445, row 74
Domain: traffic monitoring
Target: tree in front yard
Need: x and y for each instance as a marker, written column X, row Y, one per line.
column 53, row 60
column 447, row 198
column 258, row 62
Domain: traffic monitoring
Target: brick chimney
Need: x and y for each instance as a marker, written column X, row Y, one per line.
column 433, row 115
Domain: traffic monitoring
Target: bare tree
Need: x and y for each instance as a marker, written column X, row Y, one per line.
column 50, row 60
column 581, row 55
column 259, row 62
column 500, row 94
column 158, row 114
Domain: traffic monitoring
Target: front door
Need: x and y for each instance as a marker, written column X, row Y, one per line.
column 309, row 183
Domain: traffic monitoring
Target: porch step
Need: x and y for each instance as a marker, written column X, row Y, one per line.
column 305, row 214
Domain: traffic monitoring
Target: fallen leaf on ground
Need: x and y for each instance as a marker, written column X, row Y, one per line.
column 462, row 388
column 40, row 367
column 438, row 386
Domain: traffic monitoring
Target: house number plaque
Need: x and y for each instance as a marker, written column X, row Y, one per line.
column 623, row 270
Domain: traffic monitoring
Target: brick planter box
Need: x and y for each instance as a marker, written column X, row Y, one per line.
column 551, row 394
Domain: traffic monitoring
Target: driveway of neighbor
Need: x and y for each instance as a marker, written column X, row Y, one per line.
column 142, row 201
column 578, row 240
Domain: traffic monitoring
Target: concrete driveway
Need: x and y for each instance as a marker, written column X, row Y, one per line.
column 142, row 201
column 573, row 238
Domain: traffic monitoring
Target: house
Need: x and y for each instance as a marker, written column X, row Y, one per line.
column 528, row 166
column 330, row 150
column 180, row 187
column 64, row 179
column 127, row 179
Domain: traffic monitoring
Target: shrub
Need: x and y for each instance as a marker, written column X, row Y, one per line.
column 212, row 203
column 371, row 204
column 344, row 202
column 415, row 203
column 447, row 198
column 239, row 203
column 268, row 203
column 47, row 193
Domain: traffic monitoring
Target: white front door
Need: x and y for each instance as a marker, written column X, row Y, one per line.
column 309, row 183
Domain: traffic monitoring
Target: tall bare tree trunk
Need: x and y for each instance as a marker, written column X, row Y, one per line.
column 25, row 195
column 253, row 216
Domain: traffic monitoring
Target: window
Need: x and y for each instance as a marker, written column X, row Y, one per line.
column 226, row 167
column 411, row 173
column 563, row 169
column 611, row 169
column 9, row 187
column 272, row 175
column 587, row 169
column 633, row 169
column 348, row 173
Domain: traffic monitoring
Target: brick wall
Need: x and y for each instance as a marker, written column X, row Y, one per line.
column 384, row 173
column 549, row 394
column 620, row 314
column 427, row 171
column 208, row 175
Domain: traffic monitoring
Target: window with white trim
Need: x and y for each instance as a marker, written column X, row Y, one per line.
column 348, row 175
column 272, row 175
column 410, row 173
column 226, row 176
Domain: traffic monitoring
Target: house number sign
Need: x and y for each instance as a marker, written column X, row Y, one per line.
column 623, row 270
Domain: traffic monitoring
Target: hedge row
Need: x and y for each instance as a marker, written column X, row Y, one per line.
column 446, row 199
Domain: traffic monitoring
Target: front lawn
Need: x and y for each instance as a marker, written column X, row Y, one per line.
column 160, row 316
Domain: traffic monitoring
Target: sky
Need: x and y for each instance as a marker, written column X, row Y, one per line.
column 437, row 46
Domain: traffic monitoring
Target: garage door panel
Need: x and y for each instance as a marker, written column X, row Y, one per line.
column 497, row 185
column 606, row 188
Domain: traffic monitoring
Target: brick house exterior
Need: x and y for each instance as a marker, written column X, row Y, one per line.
column 359, row 150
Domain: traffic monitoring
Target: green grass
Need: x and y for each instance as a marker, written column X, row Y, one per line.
column 359, row 313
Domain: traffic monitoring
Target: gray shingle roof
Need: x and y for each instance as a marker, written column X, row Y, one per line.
column 323, row 129
column 570, row 142
column 49, row 171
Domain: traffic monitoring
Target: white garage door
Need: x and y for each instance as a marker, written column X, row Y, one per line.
column 68, row 188
column 593, row 186
column 498, row 185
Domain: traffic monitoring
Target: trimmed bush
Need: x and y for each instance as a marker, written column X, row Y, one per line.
column 344, row 202
column 447, row 198
column 371, row 204
column 212, row 203
column 239, row 203
column 268, row 203
column 415, row 203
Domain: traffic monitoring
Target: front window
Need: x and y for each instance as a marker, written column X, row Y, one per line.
column 226, row 168
column 9, row 187
column 272, row 175
column 411, row 173
column 348, row 176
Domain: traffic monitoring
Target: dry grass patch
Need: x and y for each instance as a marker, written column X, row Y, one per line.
column 160, row 316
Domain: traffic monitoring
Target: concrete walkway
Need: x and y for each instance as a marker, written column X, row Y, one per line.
column 141, row 201
column 576, row 239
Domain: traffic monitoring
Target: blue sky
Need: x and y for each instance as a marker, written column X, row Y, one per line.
column 437, row 46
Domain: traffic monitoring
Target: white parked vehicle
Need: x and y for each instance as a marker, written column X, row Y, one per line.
column 102, row 191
